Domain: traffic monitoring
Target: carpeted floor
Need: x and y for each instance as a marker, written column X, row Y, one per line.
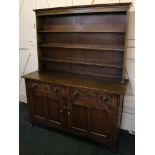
column 38, row 140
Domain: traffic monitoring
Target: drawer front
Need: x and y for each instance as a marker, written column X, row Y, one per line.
column 46, row 89
column 89, row 95
column 106, row 98
column 80, row 94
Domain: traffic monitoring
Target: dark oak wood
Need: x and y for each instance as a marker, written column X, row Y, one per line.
column 80, row 84
column 83, row 46
column 85, row 9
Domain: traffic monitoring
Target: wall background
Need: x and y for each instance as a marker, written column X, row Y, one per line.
column 28, row 53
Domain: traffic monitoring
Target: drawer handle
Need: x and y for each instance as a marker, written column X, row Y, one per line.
column 105, row 98
column 35, row 85
column 65, row 108
column 76, row 93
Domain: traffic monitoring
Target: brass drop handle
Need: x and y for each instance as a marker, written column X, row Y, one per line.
column 105, row 98
column 76, row 93
column 35, row 85
column 65, row 108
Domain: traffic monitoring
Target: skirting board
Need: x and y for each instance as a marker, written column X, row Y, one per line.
column 22, row 97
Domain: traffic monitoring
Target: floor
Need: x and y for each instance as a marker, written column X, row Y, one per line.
column 38, row 140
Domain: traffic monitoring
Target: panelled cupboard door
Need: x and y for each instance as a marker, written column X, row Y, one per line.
column 90, row 118
column 45, row 104
column 100, row 122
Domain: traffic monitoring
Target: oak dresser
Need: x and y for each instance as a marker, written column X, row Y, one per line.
column 80, row 84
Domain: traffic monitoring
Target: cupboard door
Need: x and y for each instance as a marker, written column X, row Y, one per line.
column 55, row 113
column 100, row 121
column 91, row 118
column 90, row 115
column 46, row 103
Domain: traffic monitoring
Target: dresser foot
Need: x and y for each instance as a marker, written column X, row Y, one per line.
column 31, row 124
column 114, row 151
column 113, row 148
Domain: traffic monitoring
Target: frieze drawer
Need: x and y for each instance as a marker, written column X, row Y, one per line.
column 42, row 88
column 79, row 94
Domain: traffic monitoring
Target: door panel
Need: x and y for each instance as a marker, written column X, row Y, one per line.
column 53, row 110
column 91, row 118
column 79, row 118
column 54, row 107
column 99, row 122
column 39, row 106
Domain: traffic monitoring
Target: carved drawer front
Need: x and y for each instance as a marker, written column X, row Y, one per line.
column 106, row 98
column 57, row 91
column 102, row 98
column 46, row 89
column 79, row 94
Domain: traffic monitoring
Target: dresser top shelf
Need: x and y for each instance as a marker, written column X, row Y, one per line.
column 95, row 8
column 84, row 81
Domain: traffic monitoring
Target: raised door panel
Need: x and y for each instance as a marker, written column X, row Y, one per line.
column 99, row 123
column 54, row 112
column 53, row 108
column 39, row 108
column 36, row 101
column 79, row 117
column 101, row 117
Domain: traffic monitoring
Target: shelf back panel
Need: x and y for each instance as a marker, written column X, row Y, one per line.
column 109, row 72
column 107, row 22
column 84, row 55
column 102, row 39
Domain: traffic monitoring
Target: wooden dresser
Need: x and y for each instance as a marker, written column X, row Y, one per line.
column 80, row 84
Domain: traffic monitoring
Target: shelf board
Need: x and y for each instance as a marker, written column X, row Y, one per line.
column 81, row 62
column 82, row 28
column 83, row 46
column 78, row 31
